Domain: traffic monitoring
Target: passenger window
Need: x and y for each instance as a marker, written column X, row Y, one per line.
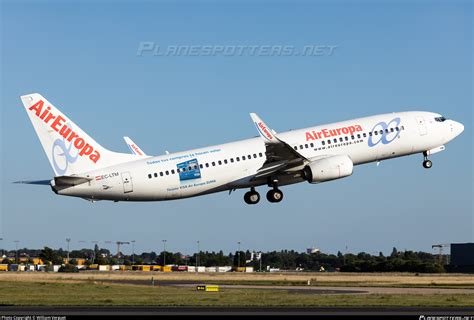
column 156, row 175
column 364, row 135
column 260, row 154
column 190, row 168
column 249, row 157
column 376, row 133
column 335, row 140
column 306, row 146
column 172, row 171
column 167, row 173
column 225, row 161
column 213, row 164
column 311, row 145
column 207, row 165
column 149, row 176
column 238, row 159
column 381, row 131
column 232, row 160
column 323, row 142
column 370, row 134
column 301, row 146
column 200, row 166
column 386, row 130
column 352, row 137
column 391, row 129
column 329, row 141
column 347, row 138
column 397, row 129
column 161, row 173
column 295, row 147
column 341, row 139
column 403, row 128
column 255, row 156
column 358, row 136
column 219, row 162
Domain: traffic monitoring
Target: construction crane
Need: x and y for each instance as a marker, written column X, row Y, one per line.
column 440, row 251
column 119, row 243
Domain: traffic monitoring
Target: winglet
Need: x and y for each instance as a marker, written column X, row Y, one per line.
column 133, row 147
column 265, row 132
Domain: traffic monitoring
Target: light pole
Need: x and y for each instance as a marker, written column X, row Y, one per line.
column 1, row 239
column 164, row 252
column 238, row 259
column 16, row 246
column 93, row 250
column 197, row 255
column 133, row 251
column 68, row 240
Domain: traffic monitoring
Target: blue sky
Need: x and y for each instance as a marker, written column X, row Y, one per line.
column 389, row 56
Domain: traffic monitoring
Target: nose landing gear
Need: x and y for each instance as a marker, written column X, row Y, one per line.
column 427, row 163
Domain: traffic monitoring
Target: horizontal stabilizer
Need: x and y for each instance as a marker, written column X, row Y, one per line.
column 37, row 182
column 69, row 181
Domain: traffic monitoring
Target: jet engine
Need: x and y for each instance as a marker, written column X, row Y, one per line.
column 329, row 168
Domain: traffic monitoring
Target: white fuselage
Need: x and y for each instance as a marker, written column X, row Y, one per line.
column 234, row 165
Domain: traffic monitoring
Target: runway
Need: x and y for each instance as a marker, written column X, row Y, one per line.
column 134, row 310
column 307, row 289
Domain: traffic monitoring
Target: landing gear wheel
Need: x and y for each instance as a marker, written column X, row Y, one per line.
column 427, row 164
column 274, row 195
column 252, row 197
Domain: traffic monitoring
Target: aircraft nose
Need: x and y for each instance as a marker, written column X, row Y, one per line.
column 457, row 128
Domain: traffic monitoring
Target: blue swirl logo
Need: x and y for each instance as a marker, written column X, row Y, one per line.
column 63, row 157
column 386, row 136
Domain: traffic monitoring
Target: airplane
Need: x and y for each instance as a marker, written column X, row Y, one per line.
column 83, row 168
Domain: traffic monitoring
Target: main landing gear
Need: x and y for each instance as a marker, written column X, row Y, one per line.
column 252, row 197
column 427, row 163
column 274, row 195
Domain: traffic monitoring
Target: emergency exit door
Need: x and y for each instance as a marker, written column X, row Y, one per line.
column 127, row 182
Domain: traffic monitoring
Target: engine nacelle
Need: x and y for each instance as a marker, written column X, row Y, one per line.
column 330, row 168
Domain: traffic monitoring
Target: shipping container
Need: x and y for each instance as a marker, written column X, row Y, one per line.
column 211, row 269
column 93, row 267
column 115, row 267
column 166, row 269
column 249, row 269
column 156, row 268
column 3, row 267
column 104, row 267
column 13, row 267
column 201, row 269
column 145, row 268
column 224, row 269
column 191, row 269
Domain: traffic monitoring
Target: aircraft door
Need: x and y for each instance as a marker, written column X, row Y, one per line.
column 421, row 126
column 127, row 182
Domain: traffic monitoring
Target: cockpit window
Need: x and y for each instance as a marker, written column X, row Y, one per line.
column 440, row 119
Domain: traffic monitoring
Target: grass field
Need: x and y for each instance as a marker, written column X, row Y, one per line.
column 316, row 279
column 96, row 288
column 92, row 294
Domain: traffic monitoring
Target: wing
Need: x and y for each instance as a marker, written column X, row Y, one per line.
column 280, row 155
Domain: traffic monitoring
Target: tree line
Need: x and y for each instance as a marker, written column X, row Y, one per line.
column 397, row 261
